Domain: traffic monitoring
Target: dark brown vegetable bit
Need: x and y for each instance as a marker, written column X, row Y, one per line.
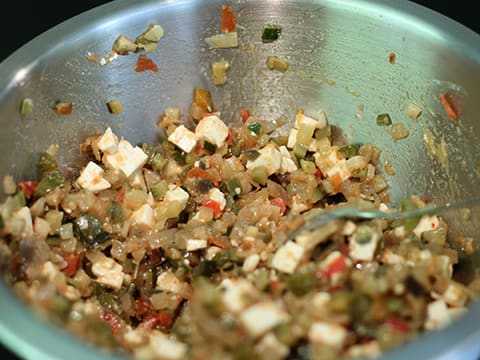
column 414, row 286
column 63, row 108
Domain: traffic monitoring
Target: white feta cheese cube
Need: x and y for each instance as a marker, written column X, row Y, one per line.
column 320, row 300
column 165, row 348
column 127, row 159
column 292, row 138
column 368, row 350
column 167, row 281
column 137, row 180
column 183, row 138
column 270, row 348
column 176, row 193
column 144, row 216
column 211, row 252
column 270, row 157
column 251, row 263
column 261, row 317
column 41, row 227
column 437, row 315
column 237, row 294
column 287, row 257
column 108, row 273
column 301, row 119
column 25, row 216
column 92, row 178
column 327, row 333
column 216, row 195
column 108, row 143
column 196, row 244
column 426, row 223
column 455, row 295
column 212, row 129
column 363, row 251
column 339, row 172
column 288, row 165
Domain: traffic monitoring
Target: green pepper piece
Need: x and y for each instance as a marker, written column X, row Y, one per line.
column 159, row 189
column 179, row 158
column 271, row 33
column 255, row 128
column 20, row 198
column 233, row 186
column 115, row 213
column 260, row 175
column 349, row 150
column 49, row 182
column 384, row 120
column 158, row 162
column 45, row 163
column 54, row 240
column 88, row 229
column 205, row 268
column 301, row 282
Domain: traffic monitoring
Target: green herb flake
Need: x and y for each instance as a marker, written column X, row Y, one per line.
column 270, row 33
column 384, row 120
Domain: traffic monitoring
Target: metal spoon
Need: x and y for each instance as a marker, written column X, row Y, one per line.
column 316, row 218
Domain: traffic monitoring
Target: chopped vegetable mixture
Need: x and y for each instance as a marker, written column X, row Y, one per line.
column 179, row 249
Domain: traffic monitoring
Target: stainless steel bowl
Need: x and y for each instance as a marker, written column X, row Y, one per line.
column 338, row 51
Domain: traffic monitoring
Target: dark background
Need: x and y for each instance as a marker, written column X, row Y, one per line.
column 30, row 18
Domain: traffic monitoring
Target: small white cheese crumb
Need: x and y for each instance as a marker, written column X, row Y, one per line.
column 437, row 315
column 144, row 216
column 270, row 157
column 370, row 349
column 127, row 158
column 251, row 263
column 269, row 347
column 301, row 118
column 183, row 138
column 426, row 223
column 167, row 281
column 288, row 164
column 211, row 252
column 176, row 193
column 363, row 252
column 216, row 195
column 261, row 317
column 327, row 333
column 196, row 244
column 237, row 294
column 212, row 129
column 292, row 138
column 91, row 178
column 287, row 257
column 165, row 348
column 321, row 299
column 108, row 143
column 455, row 295
column 108, row 273
column 25, row 215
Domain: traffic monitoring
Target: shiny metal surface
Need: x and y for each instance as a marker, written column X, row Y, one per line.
column 338, row 51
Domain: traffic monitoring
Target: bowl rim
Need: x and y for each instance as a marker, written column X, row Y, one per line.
column 41, row 340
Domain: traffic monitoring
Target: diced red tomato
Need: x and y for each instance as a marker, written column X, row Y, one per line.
column 319, row 174
column 141, row 307
column 397, row 324
column 214, row 205
column 144, row 64
column 121, row 194
column 27, row 187
column 280, row 203
column 203, row 174
column 114, row 321
column 391, row 58
column 161, row 318
column 337, row 181
column 448, row 106
column 73, row 261
column 229, row 20
column 337, row 266
column 245, row 114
